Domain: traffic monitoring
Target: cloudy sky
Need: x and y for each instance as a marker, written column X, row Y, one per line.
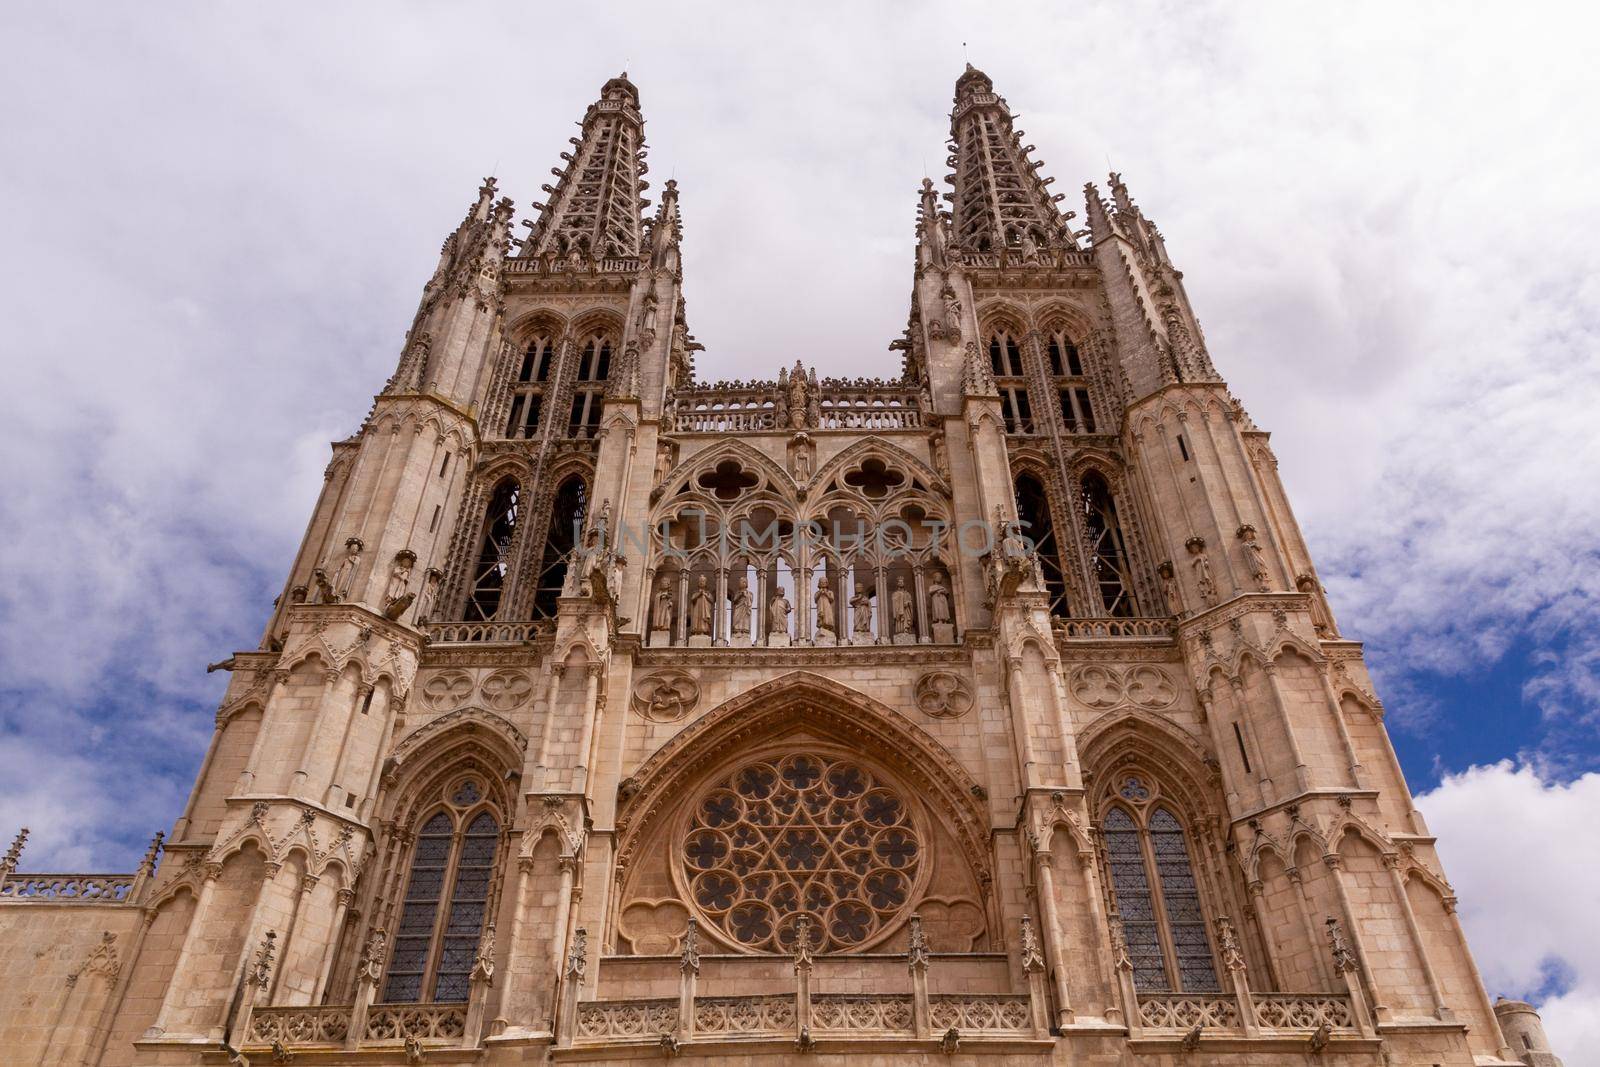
column 218, row 219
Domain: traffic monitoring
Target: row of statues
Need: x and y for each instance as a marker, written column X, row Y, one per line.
column 701, row 608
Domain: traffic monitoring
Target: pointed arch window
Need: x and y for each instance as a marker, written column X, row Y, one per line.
column 571, row 505
column 1033, row 511
column 1108, row 550
column 1153, row 888
column 588, row 399
column 447, row 899
column 1071, row 386
column 1005, row 359
column 527, row 398
column 492, row 571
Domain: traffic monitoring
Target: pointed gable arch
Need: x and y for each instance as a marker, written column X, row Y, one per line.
column 890, row 454
column 819, row 705
column 777, row 479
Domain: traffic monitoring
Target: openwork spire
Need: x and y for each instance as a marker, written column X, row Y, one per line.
column 999, row 200
column 594, row 207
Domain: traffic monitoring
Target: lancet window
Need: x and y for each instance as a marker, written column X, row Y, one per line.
column 1033, row 512
column 1071, row 386
column 566, row 519
column 528, row 392
column 447, row 897
column 1108, row 550
column 588, row 398
column 492, row 571
column 1154, row 890
column 1005, row 359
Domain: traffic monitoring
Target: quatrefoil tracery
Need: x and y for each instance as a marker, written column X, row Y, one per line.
column 807, row 835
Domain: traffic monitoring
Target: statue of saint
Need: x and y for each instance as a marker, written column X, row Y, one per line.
column 938, row 602
column 345, row 576
column 1201, row 568
column 900, row 604
column 778, row 614
column 700, row 609
column 952, row 311
column 429, row 595
column 1255, row 560
column 824, row 603
column 741, row 609
column 797, row 396
column 1169, row 589
column 861, row 611
column 661, row 613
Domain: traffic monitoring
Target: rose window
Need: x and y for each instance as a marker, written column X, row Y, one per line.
column 806, row 835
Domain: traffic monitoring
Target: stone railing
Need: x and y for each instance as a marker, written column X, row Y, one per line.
column 722, row 1016
column 1274, row 1012
column 308, row 1028
column 1049, row 258
column 485, row 633
column 69, row 888
column 1101, row 629
column 607, row 1019
column 752, row 407
column 1303, row 1011
column 299, row 1027
column 977, row 1015
column 862, row 1012
column 540, row 265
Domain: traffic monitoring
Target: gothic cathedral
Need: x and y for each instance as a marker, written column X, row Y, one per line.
column 991, row 710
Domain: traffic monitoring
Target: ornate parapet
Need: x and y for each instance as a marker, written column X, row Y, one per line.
column 1198, row 1016
column 68, row 888
column 840, row 404
column 388, row 1026
column 481, row 633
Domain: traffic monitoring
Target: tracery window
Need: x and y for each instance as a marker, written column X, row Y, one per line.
column 1154, row 889
column 812, row 835
column 1005, row 359
column 527, row 399
column 491, row 573
column 594, row 365
column 1071, row 386
column 571, row 506
column 1033, row 512
column 1108, row 551
column 446, row 899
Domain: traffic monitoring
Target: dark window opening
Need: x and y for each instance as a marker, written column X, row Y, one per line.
column 1108, row 552
column 491, row 573
column 1183, row 448
column 1033, row 513
column 571, row 505
column 1243, row 755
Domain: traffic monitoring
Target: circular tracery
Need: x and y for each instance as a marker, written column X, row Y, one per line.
column 806, row 835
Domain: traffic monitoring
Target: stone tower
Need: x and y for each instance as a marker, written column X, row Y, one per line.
column 992, row 708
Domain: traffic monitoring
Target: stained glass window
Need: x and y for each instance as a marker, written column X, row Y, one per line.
column 446, row 902
column 1154, row 888
column 807, row 835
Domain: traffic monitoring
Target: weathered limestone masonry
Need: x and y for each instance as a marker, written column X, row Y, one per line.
column 992, row 711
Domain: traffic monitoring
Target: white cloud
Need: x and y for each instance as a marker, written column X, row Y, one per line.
column 1523, row 855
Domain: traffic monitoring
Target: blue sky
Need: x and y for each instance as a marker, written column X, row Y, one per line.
column 220, row 216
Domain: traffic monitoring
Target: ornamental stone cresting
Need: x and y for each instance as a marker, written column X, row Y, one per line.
column 561, row 743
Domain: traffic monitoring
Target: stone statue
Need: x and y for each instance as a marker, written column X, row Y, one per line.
column 952, row 311
column 741, row 609
column 1169, row 589
column 938, row 602
column 345, row 576
column 1321, row 622
column 1200, row 566
column 429, row 595
column 900, row 604
column 397, row 595
column 661, row 613
column 778, row 614
column 824, row 604
column 1255, row 560
column 797, row 396
column 700, row 609
column 648, row 323
column 861, row 612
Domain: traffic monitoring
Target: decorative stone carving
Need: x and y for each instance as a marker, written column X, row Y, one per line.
column 429, row 597
column 740, row 611
column 397, row 594
column 332, row 591
column 447, row 690
column 1200, row 566
column 700, row 609
column 900, row 604
column 1255, row 560
column 1170, row 592
column 824, row 610
column 666, row 696
column 778, row 610
column 1104, row 687
column 943, row 695
column 506, row 690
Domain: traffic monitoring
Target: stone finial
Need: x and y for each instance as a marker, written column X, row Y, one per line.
column 917, row 955
column 1344, row 959
column 1032, row 958
column 14, row 853
column 483, row 962
column 1228, row 945
column 147, row 866
column 261, row 967
column 689, row 959
column 370, row 968
column 578, row 955
column 802, row 944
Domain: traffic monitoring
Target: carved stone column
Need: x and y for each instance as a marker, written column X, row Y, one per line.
column 917, row 960
column 571, row 981
column 1033, row 967
column 688, row 976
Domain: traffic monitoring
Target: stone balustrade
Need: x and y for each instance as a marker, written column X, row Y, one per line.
column 69, row 888
column 752, row 407
column 553, row 265
column 1103, row 629
column 481, row 633
column 307, row 1028
column 1275, row 1013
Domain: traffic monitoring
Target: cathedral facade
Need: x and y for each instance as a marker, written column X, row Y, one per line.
column 992, row 710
